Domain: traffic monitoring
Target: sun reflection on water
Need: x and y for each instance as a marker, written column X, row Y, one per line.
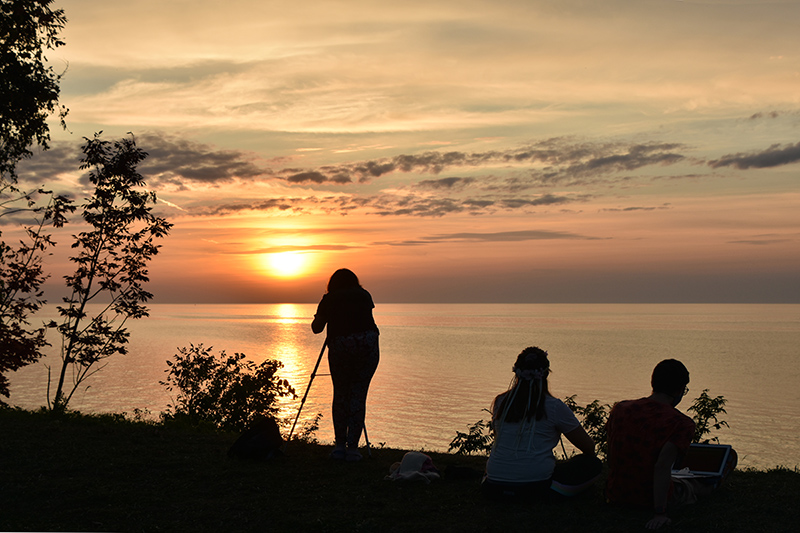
column 288, row 314
column 292, row 343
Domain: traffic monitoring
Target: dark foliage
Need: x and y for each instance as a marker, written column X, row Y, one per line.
column 593, row 417
column 706, row 416
column 29, row 89
column 478, row 439
column 28, row 95
column 228, row 392
column 21, row 278
column 111, row 259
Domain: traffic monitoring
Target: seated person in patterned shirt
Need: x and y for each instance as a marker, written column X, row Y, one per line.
column 645, row 437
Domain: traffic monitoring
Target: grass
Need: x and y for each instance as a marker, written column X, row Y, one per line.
column 105, row 473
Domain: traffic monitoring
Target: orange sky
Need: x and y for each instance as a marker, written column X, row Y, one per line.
column 464, row 151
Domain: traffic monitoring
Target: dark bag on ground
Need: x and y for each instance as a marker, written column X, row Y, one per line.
column 261, row 440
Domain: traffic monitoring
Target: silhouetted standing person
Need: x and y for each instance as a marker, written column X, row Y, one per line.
column 353, row 356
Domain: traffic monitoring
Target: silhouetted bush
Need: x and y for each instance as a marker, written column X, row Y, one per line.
column 706, row 410
column 228, row 392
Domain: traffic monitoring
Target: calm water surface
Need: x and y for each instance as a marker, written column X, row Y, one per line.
column 441, row 364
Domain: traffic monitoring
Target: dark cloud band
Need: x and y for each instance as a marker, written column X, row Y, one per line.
column 774, row 156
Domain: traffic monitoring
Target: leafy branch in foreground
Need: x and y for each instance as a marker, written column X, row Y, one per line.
column 478, row 440
column 111, row 259
column 29, row 91
column 21, row 278
column 706, row 410
column 593, row 417
column 309, row 429
column 228, row 392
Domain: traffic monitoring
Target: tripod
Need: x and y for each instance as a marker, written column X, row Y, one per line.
column 303, row 402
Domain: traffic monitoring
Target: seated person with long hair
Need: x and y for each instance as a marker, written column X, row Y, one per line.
column 528, row 423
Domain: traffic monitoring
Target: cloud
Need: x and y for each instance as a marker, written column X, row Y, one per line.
column 634, row 208
column 44, row 166
column 768, row 239
column 181, row 164
column 270, row 204
column 177, row 161
column 294, row 248
column 546, row 199
column 553, row 160
column 760, row 242
column 500, row 236
column 304, row 177
column 363, row 171
column 425, row 206
column 315, row 176
column 774, row 156
column 510, row 236
column 171, row 161
column 502, row 180
column 635, row 157
column 445, row 183
column 390, row 204
column 761, row 114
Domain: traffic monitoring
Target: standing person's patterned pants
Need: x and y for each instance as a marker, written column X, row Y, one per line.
column 352, row 360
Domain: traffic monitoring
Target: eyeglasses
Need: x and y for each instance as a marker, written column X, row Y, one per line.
column 685, row 391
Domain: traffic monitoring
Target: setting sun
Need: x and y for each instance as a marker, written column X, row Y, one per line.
column 286, row 264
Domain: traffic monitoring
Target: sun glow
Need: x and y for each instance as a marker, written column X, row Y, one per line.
column 289, row 314
column 286, row 264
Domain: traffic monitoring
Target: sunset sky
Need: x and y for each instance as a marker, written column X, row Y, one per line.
column 450, row 151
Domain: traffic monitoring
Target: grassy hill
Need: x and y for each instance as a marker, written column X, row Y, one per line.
column 105, row 473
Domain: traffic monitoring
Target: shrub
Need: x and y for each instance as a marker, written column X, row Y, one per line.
column 706, row 410
column 593, row 418
column 479, row 439
column 309, row 430
column 228, row 392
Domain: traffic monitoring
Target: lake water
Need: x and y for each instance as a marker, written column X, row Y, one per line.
column 441, row 364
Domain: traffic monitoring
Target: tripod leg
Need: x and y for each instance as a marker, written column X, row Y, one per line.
column 366, row 438
column 303, row 401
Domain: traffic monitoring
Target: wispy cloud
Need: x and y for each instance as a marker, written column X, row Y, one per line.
column 388, row 204
column 177, row 161
column 499, row 236
column 557, row 159
column 270, row 204
column 761, row 242
column 768, row 239
column 181, row 163
column 774, row 156
column 445, row 183
column 515, row 179
column 171, row 161
column 635, row 208
column 295, row 248
column 45, row 167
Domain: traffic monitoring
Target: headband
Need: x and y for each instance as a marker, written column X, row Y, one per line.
column 530, row 373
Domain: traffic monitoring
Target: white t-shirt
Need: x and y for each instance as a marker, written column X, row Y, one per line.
column 512, row 461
